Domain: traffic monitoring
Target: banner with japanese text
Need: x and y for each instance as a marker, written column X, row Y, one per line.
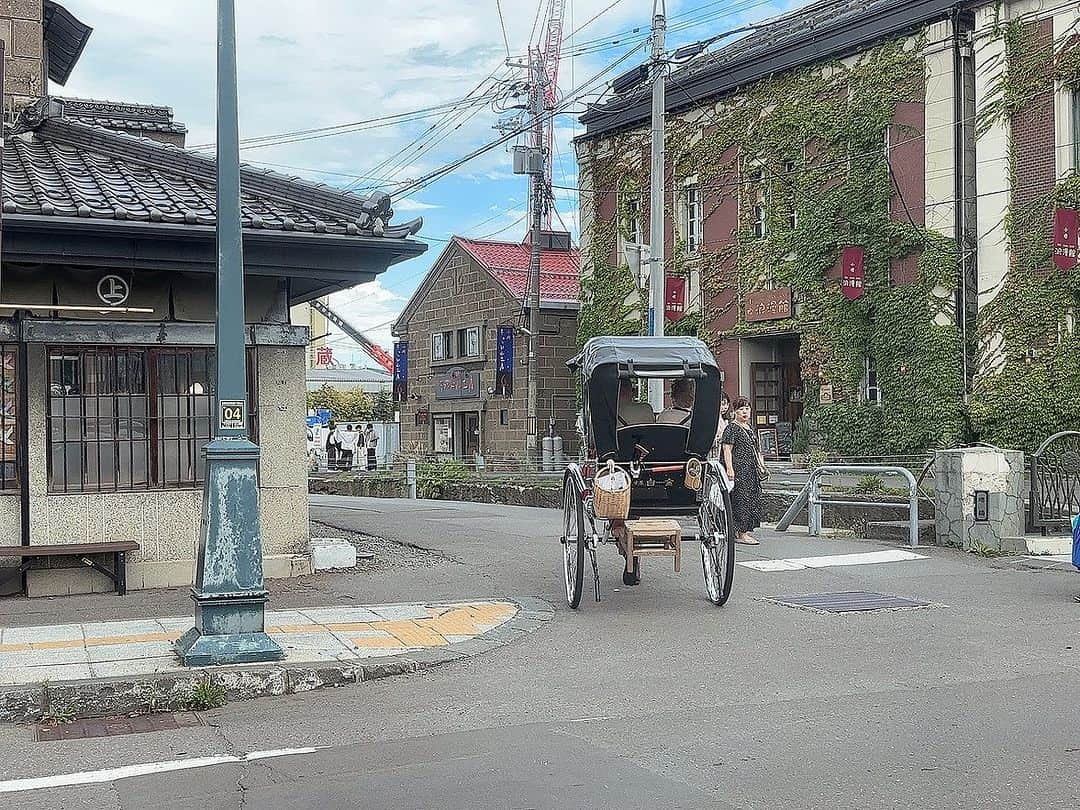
column 401, row 371
column 1065, row 238
column 504, row 361
column 852, row 272
column 674, row 298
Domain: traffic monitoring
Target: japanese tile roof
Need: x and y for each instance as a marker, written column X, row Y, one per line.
column 123, row 116
column 508, row 263
column 59, row 167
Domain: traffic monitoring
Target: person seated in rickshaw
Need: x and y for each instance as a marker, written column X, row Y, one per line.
column 682, row 404
column 632, row 412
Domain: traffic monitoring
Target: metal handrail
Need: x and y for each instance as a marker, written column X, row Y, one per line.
column 810, row 497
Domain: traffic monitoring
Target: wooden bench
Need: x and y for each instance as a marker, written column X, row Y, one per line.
column 118, row 549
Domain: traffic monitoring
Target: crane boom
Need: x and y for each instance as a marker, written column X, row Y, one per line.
column 370, row 347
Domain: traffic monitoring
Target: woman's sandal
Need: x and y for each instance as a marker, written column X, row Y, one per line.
column 747, row 540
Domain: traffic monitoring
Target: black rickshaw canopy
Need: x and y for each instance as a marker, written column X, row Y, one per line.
column 653, row 354
column 605, row 361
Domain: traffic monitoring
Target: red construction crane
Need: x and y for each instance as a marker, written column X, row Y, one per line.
column 370, row 347
column 549, row 57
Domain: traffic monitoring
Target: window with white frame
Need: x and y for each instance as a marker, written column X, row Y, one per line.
column 761, row 228
column 469, row 342
column 871, row 391
column 440, row 346
column 632, row 220
column 691, row 216
column 792, row 203
column 442, row 437
column 1076, row 128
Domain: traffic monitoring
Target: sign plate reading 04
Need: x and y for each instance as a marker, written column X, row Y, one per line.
column 233, row 413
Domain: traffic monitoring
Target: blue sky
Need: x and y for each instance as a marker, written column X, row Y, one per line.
column 328, row 62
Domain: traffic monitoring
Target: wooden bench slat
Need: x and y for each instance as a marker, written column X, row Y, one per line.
column 68, row 548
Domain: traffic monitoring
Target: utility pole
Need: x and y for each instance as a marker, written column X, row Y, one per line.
column 656, row 193
column 229, row 594
column 536, row 203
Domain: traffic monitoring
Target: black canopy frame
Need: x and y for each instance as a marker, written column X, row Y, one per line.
column 606, row 361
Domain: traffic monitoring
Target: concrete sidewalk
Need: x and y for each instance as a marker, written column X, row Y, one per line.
column 128, row 665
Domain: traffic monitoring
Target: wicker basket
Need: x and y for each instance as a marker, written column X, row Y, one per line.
column 693, row 475
column 611, row 493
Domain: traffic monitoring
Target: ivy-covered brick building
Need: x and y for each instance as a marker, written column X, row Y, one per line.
column 844, row 195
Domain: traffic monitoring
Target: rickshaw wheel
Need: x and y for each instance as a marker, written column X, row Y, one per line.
column 717, row 541
column 632, row 577
column 573, row 541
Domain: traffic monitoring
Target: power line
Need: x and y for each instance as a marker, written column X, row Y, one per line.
column 502, row 25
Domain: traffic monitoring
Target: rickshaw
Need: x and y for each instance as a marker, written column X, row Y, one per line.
column 665, row 466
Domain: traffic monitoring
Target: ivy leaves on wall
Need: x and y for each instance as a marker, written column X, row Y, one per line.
column 1029, row 382
column 808, row 147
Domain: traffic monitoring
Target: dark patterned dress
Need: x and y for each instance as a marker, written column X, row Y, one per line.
column 746, row 497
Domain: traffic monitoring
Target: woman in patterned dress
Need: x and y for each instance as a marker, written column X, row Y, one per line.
column 745, row 467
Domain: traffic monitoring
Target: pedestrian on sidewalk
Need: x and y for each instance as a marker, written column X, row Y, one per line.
column 333, row 447
column 371, row 442
column 746, row 468
column 348, row 439
column 721, row 426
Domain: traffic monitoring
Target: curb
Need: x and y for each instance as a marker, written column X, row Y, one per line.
column 172, row 692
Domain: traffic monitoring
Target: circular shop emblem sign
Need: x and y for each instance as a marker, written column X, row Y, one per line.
column 113, row 290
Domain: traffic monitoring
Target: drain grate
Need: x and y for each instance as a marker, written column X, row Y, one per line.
column 849, row 602
column 116, row 726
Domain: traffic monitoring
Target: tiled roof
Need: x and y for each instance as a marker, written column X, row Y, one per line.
column 121, row 115
column 508, row 262
column 57, row 167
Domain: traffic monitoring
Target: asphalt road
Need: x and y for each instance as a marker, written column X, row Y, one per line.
column 651, row 698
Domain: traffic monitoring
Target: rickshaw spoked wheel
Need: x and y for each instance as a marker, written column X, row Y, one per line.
column 573, row 541
column 632, row 577
column 717, row 541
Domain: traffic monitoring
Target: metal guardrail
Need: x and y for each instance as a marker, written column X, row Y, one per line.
column 810, row 497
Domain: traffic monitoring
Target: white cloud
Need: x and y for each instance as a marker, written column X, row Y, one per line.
column 413, row 205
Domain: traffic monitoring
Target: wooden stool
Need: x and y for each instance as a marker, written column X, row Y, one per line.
column 652, row 538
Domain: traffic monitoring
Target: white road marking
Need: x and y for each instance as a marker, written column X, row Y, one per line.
column 145, row 769
column 801, row 563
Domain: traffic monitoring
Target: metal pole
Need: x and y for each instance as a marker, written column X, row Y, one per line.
column 656, row 194
column 229, row 593
column 536, row 201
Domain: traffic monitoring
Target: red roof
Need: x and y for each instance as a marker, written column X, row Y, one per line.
column 508, row 263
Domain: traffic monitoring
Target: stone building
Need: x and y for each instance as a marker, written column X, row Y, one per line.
column 106, row 321
column 837, row 191
column 462, row 327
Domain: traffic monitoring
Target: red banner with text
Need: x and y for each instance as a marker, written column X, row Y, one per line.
column 1065, row 240
column 852, row 272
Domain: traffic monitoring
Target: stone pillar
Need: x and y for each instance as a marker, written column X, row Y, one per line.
column 958, row 475
column 24, row 47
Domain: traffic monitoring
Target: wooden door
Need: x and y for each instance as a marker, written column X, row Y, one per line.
column 767, row 394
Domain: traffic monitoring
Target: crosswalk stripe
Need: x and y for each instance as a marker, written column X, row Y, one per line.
column 832, row 561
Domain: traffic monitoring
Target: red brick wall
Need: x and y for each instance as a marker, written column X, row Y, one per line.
column 1032, row 128
column 907, row 155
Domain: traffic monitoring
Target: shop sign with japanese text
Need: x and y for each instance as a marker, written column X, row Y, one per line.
column 457, row 383
column 768, row 305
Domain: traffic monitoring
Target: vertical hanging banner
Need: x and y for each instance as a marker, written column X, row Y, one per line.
column 401, row 371
column 674, row 298
column 504, row 361
column 1065, row 238
column 852, row 272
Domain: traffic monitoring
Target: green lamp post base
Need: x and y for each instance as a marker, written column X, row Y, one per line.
column 228, row 630
column 229, row 594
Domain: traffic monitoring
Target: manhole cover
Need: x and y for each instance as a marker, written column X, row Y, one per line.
column 849, row 602
column 115, row 726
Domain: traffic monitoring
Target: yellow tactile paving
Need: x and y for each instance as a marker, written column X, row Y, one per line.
column 432, row 631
